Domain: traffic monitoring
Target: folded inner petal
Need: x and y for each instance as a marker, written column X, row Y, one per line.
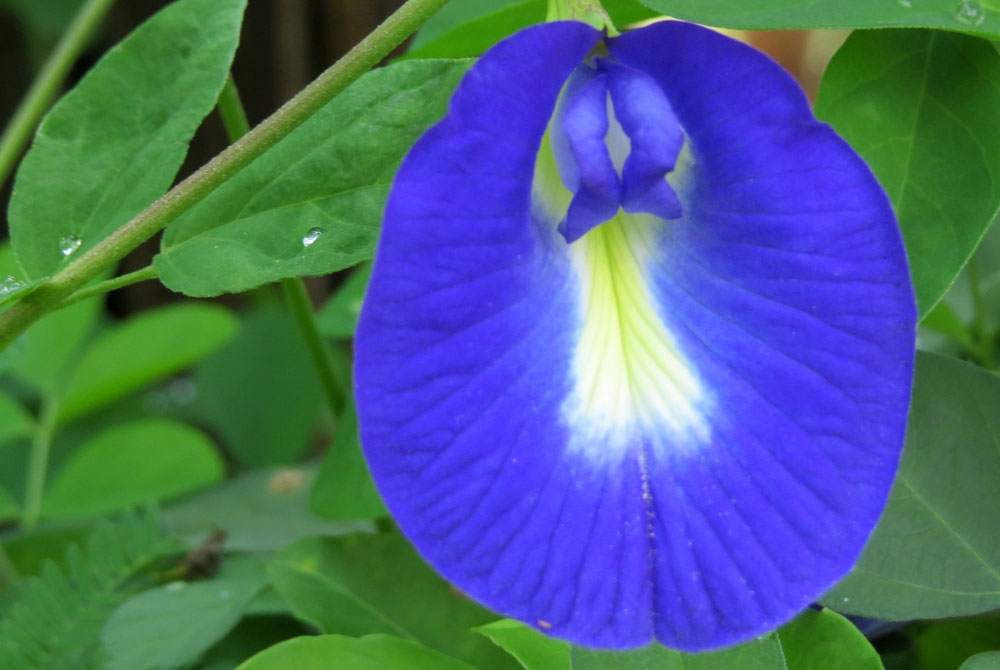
column 655, row 139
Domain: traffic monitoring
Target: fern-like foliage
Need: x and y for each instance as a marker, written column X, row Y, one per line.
column 56, row 618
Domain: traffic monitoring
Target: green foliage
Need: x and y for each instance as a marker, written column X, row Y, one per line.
column 173, row 625
column 372, row 652
column 266, row 412
column 935, row 552
column 946, row 644
column 114, row 143
column 762, row 654
column 260, row 510
column 339, row 315
column 55, row 620
column 344, row 488
column 130, row 464
column 980, row 16
column 470, row 27
column 988, row 660
column 143, row 350
column 332, row 185
column 921, row 108
column 363, row 584
column 825, row 640
column 531, row 649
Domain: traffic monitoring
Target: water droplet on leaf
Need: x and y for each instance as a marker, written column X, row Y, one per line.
column 311, row 236
column 9, row 284
column 906, row 4
column 970, row 13
column 69, row 243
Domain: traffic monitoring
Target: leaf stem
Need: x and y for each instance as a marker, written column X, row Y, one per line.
column 109, row 285
column 365, row 55
column 46, row 85
column 334, row 388
column 38, row 463
column 234, row 117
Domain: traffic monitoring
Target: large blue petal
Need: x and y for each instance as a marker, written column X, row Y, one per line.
column 787, row 284
column 462, row 367
column 708, row 482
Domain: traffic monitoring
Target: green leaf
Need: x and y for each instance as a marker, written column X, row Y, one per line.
column 172, row 626
column 760, row 654
column 469, row 28
column 825, row 640
column 372, row 652
column 921, row 107
column 364, row 584
column 312, row 204
column 15, row 421
column 262, row 510
column 142, row 350
column 454, row 15
column 813, row 641
column 261, row 392
column 943, row 319
column 56, row 619
column 935, row 552
column 130, row 464
column 532, row 650
column 252, row 635
column 981, row 16
column 946, row 644
column 339, row 316
column 344, row 488
column 51, row 346
column 113, row 144
column 989, row 660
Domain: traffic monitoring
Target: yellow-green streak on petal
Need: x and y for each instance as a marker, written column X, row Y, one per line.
column 628, row 370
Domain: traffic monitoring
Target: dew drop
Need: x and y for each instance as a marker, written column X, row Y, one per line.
column 8, row 285
column 310, row 237
column 970, row 13
column 69, row 243
column 175, row 586
column 224, row 595
column 905, row 4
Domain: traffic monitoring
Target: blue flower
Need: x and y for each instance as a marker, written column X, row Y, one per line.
column 636, row 355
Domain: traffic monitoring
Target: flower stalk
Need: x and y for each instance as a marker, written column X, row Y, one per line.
column 588, row 11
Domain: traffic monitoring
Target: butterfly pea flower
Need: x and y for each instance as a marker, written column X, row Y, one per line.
column 635, row 359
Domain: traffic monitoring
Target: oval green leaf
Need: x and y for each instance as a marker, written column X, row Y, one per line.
column 131, row 464
column 144, row 349
column 977, row 16
column 363, row 584
column 372, row 652
column 531, row 649
column 935, row 552
column 173, row 625
column 824, row 640
column 113, row 144
column 761, row 654
column 921, row 107
column 313, row 203
column 988, row 660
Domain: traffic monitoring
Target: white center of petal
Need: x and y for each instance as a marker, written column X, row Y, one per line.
column 629, row 373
